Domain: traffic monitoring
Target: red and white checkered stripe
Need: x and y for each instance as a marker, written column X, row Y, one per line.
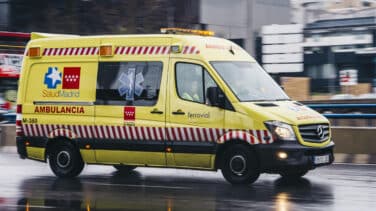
column 120, row 50
column 190, row 50
column 62, row 132
column 152, row 50
column 19, row 131
column 250, row 136
column 70, row 51
column 148, row 133
column 142, row 50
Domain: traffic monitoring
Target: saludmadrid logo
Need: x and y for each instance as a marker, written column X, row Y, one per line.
column 60, row 93
column 69, row 80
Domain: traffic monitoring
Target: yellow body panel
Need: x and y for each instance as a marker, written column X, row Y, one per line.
column 189, row 160
column 36, row 153
column 88, row 155
column 135, row 158
column 83, row 94
column 286, row 112
column 64, row 107
column 216, row 115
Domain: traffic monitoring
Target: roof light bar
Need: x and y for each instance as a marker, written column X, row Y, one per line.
column 187, row 31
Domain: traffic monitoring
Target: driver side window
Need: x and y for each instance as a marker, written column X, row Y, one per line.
column 192, row 82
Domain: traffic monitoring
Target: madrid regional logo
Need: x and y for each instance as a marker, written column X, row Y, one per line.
column 70, row 78
column 52, row 78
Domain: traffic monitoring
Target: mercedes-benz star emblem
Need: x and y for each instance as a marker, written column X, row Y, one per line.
column 320, row 132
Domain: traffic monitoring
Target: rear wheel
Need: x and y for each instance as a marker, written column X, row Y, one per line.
column 124, row 168
column 65, row 160
column 240, row 165
column 291, row 175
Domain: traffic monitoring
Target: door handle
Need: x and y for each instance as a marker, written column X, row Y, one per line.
column 178, row 112
column 156, row 111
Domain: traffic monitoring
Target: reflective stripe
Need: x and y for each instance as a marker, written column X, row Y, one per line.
column 70, row 51
column 146, row 133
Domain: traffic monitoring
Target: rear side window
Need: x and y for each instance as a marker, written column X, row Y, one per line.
column 128, row 83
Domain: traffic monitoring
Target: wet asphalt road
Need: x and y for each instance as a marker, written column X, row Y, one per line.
column 30, row 185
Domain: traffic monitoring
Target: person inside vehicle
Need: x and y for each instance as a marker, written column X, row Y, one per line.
column 191, row 94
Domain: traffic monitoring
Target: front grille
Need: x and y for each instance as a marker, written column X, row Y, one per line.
column 316, row 133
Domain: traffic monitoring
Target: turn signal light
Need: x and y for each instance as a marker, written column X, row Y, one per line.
column 34, row 52
column 105, row 50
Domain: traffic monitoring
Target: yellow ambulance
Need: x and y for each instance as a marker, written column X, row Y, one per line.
column 180, row 99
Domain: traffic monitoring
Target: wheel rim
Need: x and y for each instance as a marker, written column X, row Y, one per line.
column 63, row 159
column 238, row 165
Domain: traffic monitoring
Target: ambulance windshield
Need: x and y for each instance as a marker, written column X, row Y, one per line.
column 248, row 81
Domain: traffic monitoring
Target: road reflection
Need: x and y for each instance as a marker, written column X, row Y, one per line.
column 300, row 192
column 136, row 191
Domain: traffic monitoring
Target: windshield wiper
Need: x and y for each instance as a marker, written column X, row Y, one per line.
column 283, row 99
column 254, row 100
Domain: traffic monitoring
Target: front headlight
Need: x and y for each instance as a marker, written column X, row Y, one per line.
column 280, row 130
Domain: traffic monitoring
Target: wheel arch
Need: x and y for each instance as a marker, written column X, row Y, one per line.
column 53, row 142
column 226, row 145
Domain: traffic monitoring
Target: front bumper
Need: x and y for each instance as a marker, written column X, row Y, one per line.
column 298, row 156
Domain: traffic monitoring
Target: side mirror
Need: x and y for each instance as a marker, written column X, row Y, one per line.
column 215, row 96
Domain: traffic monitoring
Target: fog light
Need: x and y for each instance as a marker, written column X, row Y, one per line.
column 282, row 155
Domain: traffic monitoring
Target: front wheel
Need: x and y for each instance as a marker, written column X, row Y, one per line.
column 240, row 165
column 65, row 160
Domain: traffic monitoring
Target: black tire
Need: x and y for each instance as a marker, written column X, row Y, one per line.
column 124, row 168
column 240, row 165
column 293, row 175
column 65, row 160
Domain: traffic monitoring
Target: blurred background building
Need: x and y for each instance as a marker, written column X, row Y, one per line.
column 241, row 20
column 325, row 39
column 306, row 11
column 318, row 39
column 238, row 20
column 282, row 49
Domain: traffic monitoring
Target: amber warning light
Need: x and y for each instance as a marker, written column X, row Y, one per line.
column 34, row 52
column 187, row 31
column 106, row 50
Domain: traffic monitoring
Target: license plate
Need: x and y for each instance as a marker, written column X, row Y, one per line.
column 321, row 159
